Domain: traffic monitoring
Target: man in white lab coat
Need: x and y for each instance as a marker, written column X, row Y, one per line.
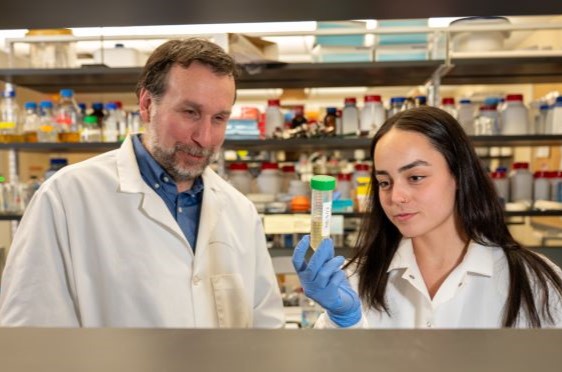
column 148, row 235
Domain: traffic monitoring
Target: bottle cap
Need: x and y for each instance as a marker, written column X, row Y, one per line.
column 97, row 106
column 373, row 98
column 350, row 100
column 238, row 166
column 273, row 102
column 46, row 104
column 448, row 101
column 90, row 119
column 514, row 97
column 521, row 165
column 465, row 101
column 323, row 183
column 66, row 93
column 30, row 105
column 397, row 100
column 111, row 106
column 267, row 165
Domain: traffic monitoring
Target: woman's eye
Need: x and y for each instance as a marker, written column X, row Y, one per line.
column 416, row 178
column 383, row 184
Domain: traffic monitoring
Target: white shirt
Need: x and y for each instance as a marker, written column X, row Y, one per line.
column 472, row 296
column 97, row 247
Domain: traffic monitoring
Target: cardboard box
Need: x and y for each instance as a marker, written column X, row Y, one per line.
column 250, row 49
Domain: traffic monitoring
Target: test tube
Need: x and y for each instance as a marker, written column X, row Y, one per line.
column 321, row 208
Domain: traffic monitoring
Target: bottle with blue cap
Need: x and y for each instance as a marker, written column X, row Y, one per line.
column 68, row 117
column 397, row 104
column 110, row 128
column 556, row 116
column 48, row 128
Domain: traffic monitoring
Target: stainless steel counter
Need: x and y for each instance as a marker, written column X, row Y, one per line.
column 128, row 350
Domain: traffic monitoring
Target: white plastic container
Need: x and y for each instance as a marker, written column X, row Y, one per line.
column 521, row 184
column 466, row 114
column 515, row 116
column 541, row 185
column 269, row 180
column 556, row 186
column 119, row 56
column 344, row 185
column 448, row 105
column 478, row 41
column 350, row 117
column 556, row 116
column 373, row 115
column 501, row 183
column 240, row 177
column 273, row 117
column 288, row 174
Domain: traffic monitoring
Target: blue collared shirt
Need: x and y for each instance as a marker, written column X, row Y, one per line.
column 184, row 206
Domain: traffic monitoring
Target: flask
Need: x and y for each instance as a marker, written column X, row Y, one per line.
column 91, row 131
column 48, row 129
column 10, row 116
column 68, row 117
column 110, row 130
column 321, row 208
column 55, row 165
column 372, row 115
column 514, row 116
column 350, row 117
column 273, row 117
column 30, row 122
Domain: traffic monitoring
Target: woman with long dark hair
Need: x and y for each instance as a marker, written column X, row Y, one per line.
column 434, row 249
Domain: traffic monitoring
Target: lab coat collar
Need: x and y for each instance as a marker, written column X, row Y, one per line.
column 478, row 258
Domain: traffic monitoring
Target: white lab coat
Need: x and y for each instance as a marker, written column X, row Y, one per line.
column 472, row 296
column 97, row 247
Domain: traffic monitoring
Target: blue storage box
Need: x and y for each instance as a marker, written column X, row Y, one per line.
column 340, row 40
column 413, row 38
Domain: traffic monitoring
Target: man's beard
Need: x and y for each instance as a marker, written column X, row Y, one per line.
column 177, row 169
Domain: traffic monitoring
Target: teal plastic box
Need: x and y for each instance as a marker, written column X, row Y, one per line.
column 341, row 40
column 413, row 38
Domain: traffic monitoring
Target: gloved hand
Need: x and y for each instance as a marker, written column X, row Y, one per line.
column 324, row 281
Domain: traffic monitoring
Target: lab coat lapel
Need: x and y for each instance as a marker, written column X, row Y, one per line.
column 210, row 211
column 130, row 181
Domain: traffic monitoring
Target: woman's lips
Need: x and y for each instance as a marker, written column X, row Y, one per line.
column 403, row 217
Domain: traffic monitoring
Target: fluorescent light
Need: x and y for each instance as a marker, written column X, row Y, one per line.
column 196, row 29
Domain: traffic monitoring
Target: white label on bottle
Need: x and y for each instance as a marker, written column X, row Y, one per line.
column 326, row 214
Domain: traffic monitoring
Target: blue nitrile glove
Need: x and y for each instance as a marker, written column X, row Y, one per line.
column 324, row 281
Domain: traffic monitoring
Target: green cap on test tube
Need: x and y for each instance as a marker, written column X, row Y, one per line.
column 323, row 183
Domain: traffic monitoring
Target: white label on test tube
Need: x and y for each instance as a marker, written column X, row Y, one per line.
column 326, row 215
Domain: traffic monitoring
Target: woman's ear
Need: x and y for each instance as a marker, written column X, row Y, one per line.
column 145, row 105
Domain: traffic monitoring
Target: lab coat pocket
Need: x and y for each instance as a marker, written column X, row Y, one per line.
column 231, row 301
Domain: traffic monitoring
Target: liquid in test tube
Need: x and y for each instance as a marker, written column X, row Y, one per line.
column 321, row 208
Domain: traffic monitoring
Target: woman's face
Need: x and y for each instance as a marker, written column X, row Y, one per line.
column 416, row 188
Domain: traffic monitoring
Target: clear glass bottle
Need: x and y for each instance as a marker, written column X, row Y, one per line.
column 68, row 117
column 55, row 165
column 320, row 208
column 48, row 129
column 110, row 128
column 10, row 116
column 91, row 131
column 372, row 115
column 397, row 104
column 30, row 122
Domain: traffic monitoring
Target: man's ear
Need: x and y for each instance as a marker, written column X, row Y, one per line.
column 145, row 105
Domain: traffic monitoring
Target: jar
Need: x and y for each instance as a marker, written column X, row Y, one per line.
column 52, row 54
column 555, row 186
column 240, row 177
column 501, row 183
column 269, row 181
column 343, row 186
column 521, row 184
column 541, row 185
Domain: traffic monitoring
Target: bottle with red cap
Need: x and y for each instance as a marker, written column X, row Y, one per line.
column 501, row 183
column 274, row 118
column 372, row 115
column 542, row 184
column 343, row 186
column 269, row 181
column 515, row 116
column 350, row 117
column 240, row 177
column 521, row 184
column 288, row 174
column 448, row 104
